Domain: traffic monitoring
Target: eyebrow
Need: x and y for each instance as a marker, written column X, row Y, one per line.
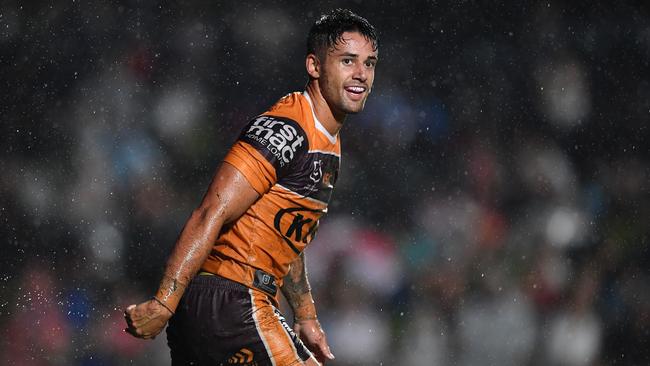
column 354, row 55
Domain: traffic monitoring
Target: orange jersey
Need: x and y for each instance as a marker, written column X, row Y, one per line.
column 291, row 160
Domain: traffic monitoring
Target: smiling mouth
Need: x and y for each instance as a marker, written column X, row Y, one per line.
column 358, row 90
column 356, row 93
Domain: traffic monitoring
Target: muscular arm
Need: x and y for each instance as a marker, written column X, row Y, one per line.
column 298, row 294
column 227, row 198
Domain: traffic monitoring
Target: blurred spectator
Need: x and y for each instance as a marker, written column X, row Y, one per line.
column 38, row 332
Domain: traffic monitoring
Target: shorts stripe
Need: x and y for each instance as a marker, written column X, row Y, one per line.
column 286, row 332
column 276, row 335
column 303, row 353
column 259, row 329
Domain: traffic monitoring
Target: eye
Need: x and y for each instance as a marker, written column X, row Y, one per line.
column 370, row 64
column 347, row 61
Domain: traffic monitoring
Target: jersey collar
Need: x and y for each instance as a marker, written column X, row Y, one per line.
column 319, row 126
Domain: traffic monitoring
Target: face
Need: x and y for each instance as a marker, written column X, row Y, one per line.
column 347, row 73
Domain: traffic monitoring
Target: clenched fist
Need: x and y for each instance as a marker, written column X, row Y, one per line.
column 146, row 320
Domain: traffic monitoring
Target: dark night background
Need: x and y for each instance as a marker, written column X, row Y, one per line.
column 491, row 208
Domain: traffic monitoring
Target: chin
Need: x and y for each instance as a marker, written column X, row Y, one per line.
column 354, row 109
column 357, row 110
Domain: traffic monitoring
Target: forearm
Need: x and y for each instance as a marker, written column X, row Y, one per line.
column 297, row 291
column 189, row 253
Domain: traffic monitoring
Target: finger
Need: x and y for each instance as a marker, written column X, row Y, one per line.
column 140, row 332
column 324, row 349
column 149, row 333
column 133, row 321
column 317, row 351
column 132, row 331
column 129, row 321
column 150, row 328
column 329, row 354
column 323, row 356
column 129, row 309
column 143, row 322
column 138, row 312
column 140, row 316
column 132, row 314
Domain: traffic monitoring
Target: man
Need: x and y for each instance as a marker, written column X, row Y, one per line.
column 261, row 210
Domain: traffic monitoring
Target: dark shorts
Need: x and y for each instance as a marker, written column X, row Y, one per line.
column 221, row 322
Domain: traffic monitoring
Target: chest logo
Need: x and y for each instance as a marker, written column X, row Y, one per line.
column 299, row 228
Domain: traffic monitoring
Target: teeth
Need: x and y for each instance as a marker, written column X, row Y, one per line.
column 356, row 89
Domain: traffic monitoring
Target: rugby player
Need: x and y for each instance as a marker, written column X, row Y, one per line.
column 219, row 291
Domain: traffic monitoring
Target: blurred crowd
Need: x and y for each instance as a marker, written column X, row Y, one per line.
column 491, row 207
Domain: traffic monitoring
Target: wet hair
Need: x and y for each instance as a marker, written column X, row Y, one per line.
column 328, row 30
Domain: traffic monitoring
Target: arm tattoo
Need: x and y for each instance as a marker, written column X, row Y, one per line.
column 295, row 283
column 169, row 286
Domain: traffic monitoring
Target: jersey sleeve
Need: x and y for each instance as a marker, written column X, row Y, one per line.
column 267, row 149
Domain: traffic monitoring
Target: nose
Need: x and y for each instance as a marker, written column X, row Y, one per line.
column 360, row 73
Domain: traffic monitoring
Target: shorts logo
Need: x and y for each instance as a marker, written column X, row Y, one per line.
column 242, row 357
column 286, row 327
column 279, row 137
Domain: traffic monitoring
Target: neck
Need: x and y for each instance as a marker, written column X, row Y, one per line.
column 331, row 120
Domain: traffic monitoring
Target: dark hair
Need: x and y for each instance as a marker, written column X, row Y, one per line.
column 327, row 31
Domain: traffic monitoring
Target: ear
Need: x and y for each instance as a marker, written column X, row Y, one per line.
column 313, row 66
